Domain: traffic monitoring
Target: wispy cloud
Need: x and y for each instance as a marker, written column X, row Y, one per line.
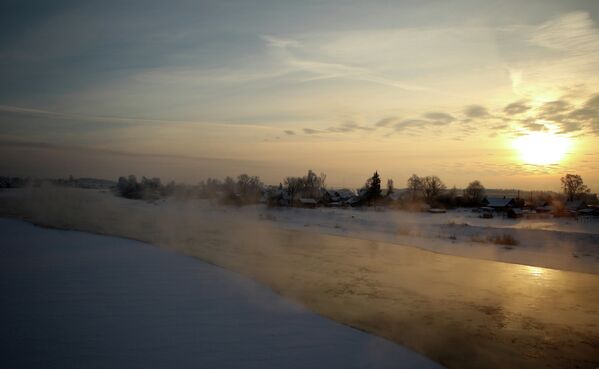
column 517, row 107
column 114, row 120
column 310, row 131
column 561, row 52
column 290, row 52
column 384, row 122
column 104, row 151
column 439, row 118
column 476, row 111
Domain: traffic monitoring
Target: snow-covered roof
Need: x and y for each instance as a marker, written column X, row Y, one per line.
column 498, row 202
column 354, row 200
column 345, row 193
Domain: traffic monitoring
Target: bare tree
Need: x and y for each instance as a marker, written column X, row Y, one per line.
column 294, row 186
column 313, row 184
column 474, row 193
column 229, row 186
column 415, row 186
column 308, row 186
column 390, row 187
column 432, row 187
column 210, row 188
column 573, row 186
column 249, row 188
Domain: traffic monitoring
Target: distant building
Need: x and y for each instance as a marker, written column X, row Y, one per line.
column 499, row 203
column 515, row 213
column 308, row 203
column 575, row 205
column 337, row 196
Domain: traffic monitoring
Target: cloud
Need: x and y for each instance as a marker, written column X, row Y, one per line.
column 384, row 122
column 558, row 116
column 593, row 103
column 573, row 31
column 289, row 132
column 499, row 127
column 439, row 118
column 515, row 108
column 555, row 107
column 561, row 52
column 417, row 123
column 569, row 127
column 126, row 121
column 292, row 53
column 310, row 131
column 354, row 126
column 535, row 127
column 343, row 128
column 476, row 111
column 103, row 151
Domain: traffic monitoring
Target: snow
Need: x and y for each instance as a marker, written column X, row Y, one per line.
column 498, row 202
column 76, row 300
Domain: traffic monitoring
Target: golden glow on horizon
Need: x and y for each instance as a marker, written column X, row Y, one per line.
column 542, row 148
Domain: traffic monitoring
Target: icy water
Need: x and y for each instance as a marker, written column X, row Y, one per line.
column 76, row 300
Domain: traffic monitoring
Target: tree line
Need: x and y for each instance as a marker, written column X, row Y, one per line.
column 246, row 189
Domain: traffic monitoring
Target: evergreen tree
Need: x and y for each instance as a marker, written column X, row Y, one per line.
column 373, row 188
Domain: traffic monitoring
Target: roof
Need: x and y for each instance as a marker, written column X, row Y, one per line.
column 343, row 193
column 575, row 204
column 499, row 202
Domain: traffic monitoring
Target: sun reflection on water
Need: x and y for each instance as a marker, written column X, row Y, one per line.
column 535, row 272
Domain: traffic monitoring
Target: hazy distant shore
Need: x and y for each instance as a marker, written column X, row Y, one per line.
column 461, row 312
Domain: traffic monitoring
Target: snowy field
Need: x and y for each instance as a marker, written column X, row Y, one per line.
column 76, row 300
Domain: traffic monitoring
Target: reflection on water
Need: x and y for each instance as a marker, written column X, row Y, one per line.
column 535, row 272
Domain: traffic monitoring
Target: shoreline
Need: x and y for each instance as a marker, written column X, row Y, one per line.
column 461, row 312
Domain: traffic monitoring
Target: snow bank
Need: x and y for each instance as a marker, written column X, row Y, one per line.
column 72, row 299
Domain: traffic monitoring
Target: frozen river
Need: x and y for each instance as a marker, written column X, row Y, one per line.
column 77, row 300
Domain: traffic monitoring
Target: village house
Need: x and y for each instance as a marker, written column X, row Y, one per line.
column 337, row 197
column 307, row 202
column 499, row 204
column 575, row 205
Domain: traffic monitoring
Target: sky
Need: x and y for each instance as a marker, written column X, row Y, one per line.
column 506, row 92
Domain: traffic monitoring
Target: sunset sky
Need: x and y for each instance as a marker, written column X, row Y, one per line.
column 506, row 92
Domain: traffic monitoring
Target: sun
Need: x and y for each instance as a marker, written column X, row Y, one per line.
column 542, row 148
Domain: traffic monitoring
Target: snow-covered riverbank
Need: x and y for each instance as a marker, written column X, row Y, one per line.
column 71, row 299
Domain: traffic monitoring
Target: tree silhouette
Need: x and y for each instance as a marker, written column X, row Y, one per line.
column 373, row 188
column 573, row 186
column 415, row 186
column 390, row 187
column 474, row 193
column 432, row 187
